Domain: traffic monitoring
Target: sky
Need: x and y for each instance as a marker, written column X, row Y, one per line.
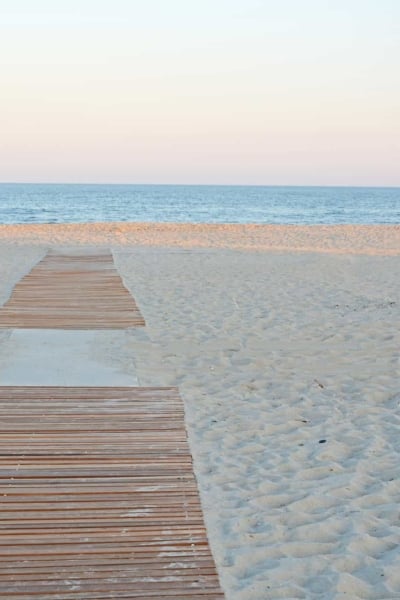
column 288, row 92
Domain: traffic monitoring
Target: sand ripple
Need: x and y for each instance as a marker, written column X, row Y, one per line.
column 289, row 365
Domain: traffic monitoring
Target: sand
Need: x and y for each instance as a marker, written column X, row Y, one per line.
column 289, row 365
column 64, row 358
column 339, row 239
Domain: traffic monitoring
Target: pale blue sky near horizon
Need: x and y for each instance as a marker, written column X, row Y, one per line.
column 257, row 92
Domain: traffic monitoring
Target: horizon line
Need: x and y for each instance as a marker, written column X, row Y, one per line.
column 272, row 185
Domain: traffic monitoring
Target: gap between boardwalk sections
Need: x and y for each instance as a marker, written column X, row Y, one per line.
column 98, row 497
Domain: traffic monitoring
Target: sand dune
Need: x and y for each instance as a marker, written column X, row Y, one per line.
column 289, row 365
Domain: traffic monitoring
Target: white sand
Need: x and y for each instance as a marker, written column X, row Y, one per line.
column 56, row 357
column 274, row 352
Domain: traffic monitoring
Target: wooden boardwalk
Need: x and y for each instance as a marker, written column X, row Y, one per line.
column 71, row 291
column 98, row 498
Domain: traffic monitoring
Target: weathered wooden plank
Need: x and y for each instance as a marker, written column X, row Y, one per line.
column 98, row 498
column 67, row 291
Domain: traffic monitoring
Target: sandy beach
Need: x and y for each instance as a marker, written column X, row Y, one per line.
column 284, row 342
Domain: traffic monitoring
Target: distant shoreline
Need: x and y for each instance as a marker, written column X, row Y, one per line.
column 379, row 240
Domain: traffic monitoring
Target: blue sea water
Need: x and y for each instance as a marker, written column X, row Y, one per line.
column 77, row 203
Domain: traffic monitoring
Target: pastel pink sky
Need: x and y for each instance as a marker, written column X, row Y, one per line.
column 222, row 91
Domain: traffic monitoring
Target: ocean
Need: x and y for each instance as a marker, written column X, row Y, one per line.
column 78, row 203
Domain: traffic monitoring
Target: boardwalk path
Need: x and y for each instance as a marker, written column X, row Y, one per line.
column 71, row 291
column 98, row 498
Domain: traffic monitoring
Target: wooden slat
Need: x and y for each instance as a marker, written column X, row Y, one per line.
column 98, row 498
column 70, row 291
